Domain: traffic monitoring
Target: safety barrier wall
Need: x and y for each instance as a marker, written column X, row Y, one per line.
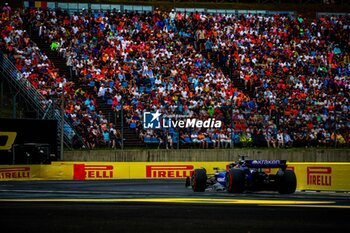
column 310, row 176
column 198, row 155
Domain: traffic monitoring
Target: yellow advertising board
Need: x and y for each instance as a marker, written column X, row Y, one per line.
column 310, row 176
column 36, row 172
column 96, row 170
column 16, row 172
column 323, row 176
column 172, row 170
column 137, row 170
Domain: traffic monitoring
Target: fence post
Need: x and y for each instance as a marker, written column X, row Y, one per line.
column 2, row 94
column 62, row 124
column 14, row 107
column 122, row 122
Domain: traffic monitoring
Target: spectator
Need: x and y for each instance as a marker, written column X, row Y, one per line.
column 280, row 140
column 295, row 75
column 288, row 142
column 7, row 9
column 169, row 142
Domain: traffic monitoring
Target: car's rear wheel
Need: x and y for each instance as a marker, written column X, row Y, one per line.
column 234, row 181
column 287, row 182
column 199, row 180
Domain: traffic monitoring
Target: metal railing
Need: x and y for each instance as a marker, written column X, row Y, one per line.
column 34, row 98
column 235, row 12
column 329, row 14
column 72, row 7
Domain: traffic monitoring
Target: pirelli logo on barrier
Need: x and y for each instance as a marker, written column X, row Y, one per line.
column 168, row 171
column 83, row 172
column 15, row 173
column 320, row 176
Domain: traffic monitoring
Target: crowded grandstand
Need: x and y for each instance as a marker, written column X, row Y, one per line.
column 276, row 80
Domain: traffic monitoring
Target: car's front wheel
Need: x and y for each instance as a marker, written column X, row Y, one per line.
column 199, row 180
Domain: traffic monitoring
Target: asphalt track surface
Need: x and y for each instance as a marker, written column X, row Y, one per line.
column 163, row 206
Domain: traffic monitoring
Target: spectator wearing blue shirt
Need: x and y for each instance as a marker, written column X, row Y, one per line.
column 105, row 136
column 288, row 142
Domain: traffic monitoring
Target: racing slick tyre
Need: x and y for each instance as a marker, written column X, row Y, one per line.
column 199, row 180
column 287, row 182
column 234, row 181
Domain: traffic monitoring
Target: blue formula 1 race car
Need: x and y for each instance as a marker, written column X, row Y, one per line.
column 245, row 175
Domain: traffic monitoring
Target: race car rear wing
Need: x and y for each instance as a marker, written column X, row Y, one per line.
column 266, row 163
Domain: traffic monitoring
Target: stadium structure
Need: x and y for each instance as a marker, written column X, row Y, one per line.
column 91, row 75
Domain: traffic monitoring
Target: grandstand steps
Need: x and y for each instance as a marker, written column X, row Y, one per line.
column 53, row 56
column 237, row 81
column 228, row 72
column 130, row 135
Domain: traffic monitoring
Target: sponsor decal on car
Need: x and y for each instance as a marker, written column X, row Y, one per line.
column 220, row 179
column 266, row 162
column 321, row 176
column 15, row 173
column 168, row 171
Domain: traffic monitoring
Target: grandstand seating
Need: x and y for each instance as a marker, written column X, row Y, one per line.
column 259, row 75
